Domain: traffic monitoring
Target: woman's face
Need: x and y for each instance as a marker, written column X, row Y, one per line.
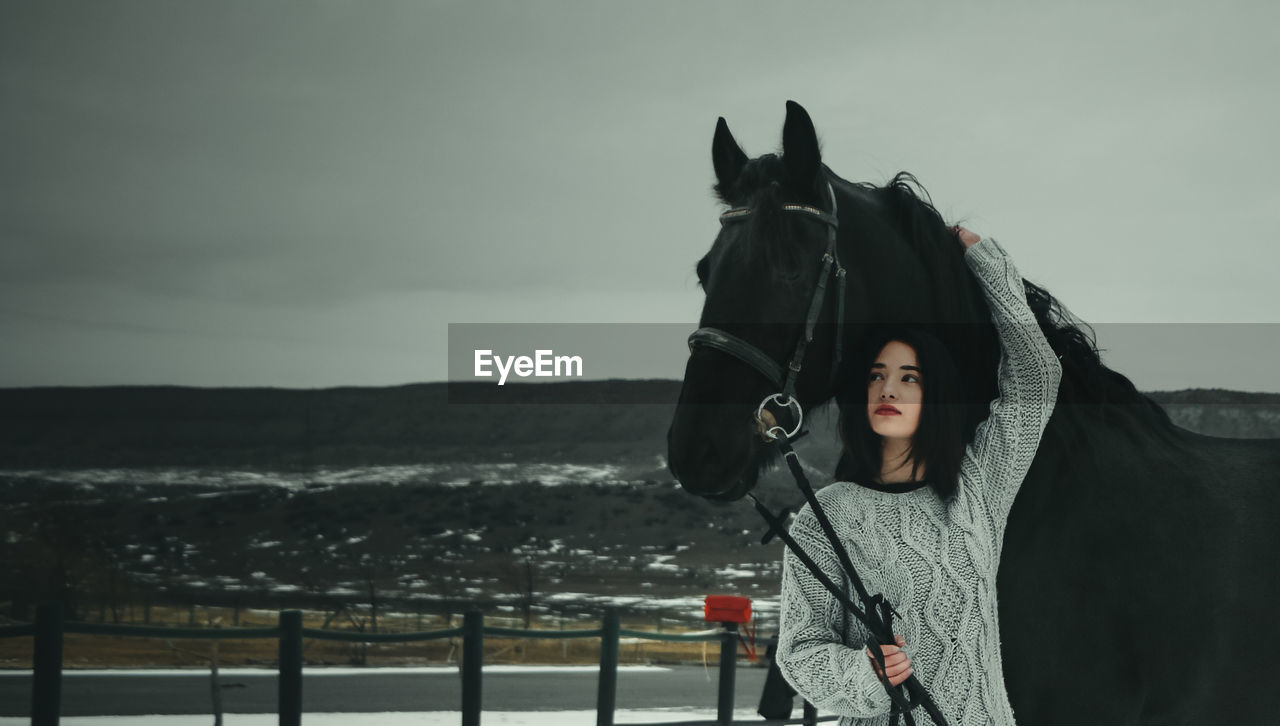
column 894, row 392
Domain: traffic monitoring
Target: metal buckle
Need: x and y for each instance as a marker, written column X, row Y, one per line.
column 771, row 432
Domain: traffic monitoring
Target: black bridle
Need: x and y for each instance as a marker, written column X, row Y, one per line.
column 721, row 340
column 878, row 615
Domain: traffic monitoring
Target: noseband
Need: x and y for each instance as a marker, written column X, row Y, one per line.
column 785, row 380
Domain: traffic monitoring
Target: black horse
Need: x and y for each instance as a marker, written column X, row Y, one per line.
column 1141, row 566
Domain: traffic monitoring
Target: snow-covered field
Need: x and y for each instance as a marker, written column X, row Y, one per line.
column 427, row 718
column 448, row 717
column 431, row 533
column 331, row 670
column 448, row 473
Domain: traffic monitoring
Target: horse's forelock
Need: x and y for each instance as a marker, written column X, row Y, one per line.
column 768, row 234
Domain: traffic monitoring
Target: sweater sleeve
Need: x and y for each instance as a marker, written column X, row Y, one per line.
column 1005, row 444
column 812, row 656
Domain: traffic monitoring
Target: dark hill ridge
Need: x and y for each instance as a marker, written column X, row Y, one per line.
column 284, row 428
column 347, row 426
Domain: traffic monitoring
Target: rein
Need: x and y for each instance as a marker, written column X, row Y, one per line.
column 878, row 615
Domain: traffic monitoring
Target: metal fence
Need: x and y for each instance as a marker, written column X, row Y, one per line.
column 49, row 627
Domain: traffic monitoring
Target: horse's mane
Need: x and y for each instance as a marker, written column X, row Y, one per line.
column 1089, row 388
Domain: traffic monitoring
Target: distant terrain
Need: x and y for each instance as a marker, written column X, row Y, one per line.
column 380, row 499
column 281, row 429
column 278, row 428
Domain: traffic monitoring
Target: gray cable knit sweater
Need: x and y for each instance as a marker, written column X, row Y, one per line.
column 935, row 561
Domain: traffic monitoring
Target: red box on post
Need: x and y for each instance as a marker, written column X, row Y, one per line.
column 727, row 609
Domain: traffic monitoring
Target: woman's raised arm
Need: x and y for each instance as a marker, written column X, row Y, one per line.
column 1005, row 444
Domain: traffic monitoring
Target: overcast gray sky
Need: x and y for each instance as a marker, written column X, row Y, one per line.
column 307, row 194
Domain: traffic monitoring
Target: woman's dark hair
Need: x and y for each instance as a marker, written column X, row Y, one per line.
column 938, row 443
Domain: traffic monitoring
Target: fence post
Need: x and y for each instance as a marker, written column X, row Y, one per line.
column 810, row 714
column 606, row 695
column 728, row 665
column 290, row 678
column 46, row 682
column 472, row 661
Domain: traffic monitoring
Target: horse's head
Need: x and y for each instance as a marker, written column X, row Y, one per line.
column 781, row 315
column 772, row 272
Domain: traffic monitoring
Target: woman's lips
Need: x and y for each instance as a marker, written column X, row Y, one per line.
column 888, row 411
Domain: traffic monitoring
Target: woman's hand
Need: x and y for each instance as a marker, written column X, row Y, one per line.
column 967, row 238
column 896, row 662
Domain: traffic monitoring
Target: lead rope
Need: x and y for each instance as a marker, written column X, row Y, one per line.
column 878, row 617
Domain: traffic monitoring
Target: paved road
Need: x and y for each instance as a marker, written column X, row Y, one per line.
column 121, row 695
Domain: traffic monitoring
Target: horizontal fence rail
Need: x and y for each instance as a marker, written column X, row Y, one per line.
column 152, row 631
column 49, row 628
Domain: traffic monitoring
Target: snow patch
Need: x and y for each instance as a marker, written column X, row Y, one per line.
column 404, row 718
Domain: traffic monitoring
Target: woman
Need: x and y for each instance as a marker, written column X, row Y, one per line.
column 932, row 551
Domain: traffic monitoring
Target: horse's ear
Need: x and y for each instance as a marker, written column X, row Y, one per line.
column 800, row 153
column 727, row 158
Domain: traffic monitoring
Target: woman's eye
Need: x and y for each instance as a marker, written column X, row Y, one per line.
column 873, row 377
column 910, row 378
